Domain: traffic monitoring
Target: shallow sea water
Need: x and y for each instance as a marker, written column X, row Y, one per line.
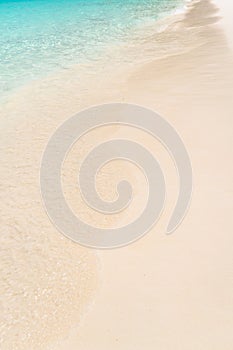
column 41, row 36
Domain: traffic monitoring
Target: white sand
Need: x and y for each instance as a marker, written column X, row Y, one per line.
column 176, row 292
column 162, row 292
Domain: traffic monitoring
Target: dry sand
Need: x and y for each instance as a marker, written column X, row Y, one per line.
column 162, row 292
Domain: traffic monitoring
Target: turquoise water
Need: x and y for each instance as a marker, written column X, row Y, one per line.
column 40, row 36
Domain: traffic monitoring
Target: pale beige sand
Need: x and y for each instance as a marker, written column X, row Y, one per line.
column 163, row 292
column 226, row 10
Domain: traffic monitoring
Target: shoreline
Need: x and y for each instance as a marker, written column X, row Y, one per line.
column 86, row 71
column 191, row 86
column 163, row 22
column 99, row 60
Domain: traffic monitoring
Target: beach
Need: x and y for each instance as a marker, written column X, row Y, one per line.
column 163, row 291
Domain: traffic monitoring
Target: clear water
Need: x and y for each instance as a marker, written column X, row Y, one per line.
column 40, row 36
